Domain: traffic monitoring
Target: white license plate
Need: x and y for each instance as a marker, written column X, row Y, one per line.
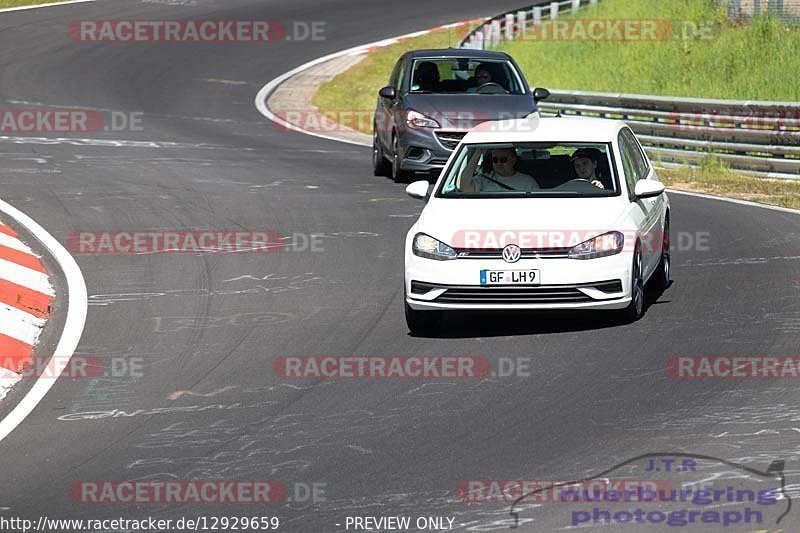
column 510, row 277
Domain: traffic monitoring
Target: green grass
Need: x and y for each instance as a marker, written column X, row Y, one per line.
column 738, row 61
column 357, row 88
column 714, row 177
column 18, row 3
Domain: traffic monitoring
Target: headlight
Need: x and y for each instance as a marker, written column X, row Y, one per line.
column 428, row 247
column 601, row 246
column 418, row 120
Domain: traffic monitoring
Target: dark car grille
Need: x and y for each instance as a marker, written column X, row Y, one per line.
column 450, row 139
column 505, row 294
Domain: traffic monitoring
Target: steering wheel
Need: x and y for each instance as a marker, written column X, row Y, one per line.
column 493, row 88
column 578, row 182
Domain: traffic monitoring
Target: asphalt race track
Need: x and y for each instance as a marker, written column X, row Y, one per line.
column 596, row 394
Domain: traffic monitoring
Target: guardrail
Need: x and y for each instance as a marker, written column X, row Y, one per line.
column 756, row 137
column 508, row 25
column 787, row 10
column 759, row 137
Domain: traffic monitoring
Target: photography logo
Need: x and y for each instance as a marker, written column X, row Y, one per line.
column 680, row 490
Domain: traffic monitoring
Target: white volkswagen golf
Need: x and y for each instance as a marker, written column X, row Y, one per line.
column 540, row 213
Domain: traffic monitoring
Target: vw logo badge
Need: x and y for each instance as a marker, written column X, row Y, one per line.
column 511, row 253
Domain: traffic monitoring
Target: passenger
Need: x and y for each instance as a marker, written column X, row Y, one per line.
column 503, row 177
column 584, row 162
column 427, row 76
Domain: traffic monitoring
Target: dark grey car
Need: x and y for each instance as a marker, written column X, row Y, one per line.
column 434, row 97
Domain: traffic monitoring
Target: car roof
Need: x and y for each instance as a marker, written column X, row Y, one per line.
column 563, row 129
column 457, row 52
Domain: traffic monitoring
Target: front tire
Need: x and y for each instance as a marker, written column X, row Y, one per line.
column 380, row 166
column 423, row 322
column 635, row 309
column 398, row 174
column 661, row 277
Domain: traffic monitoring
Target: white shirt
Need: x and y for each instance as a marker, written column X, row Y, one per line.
column 516, row 182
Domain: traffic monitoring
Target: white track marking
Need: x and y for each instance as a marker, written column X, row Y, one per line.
column 269, row 88
column 20, row 325
column 737, row 201
column 73, row 325
column 114, row 143
column 8, row 375
column 39, row 6
column 7, row 380
column 27, row 277
column 15, row 244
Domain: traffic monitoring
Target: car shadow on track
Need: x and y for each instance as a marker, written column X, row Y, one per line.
column 467, row 324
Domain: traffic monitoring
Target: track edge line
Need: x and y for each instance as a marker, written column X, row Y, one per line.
column 77, row 309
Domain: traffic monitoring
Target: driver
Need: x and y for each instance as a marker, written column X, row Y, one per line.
column 483, row 74
column 503, row 177
column 584, row 162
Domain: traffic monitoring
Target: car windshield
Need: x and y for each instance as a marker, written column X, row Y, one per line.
column 465, row 76
column 536, row 169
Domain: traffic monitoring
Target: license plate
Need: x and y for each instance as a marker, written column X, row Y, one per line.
column 510, row 277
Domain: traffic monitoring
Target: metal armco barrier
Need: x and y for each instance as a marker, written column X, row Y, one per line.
column 758, row 137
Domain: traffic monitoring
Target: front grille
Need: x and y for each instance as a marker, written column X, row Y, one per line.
column 527, row 253
column 450, row 139
column 514, row 294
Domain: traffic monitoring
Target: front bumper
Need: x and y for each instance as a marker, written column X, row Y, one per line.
column 602, row 283
column 423, row 151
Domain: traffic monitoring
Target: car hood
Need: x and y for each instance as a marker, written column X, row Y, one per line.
column 576, row 219
column 465, row 111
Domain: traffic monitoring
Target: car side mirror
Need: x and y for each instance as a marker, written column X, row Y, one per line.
column 418, row 189
column 648, row 188
column 540, row 93
column 388, row 92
